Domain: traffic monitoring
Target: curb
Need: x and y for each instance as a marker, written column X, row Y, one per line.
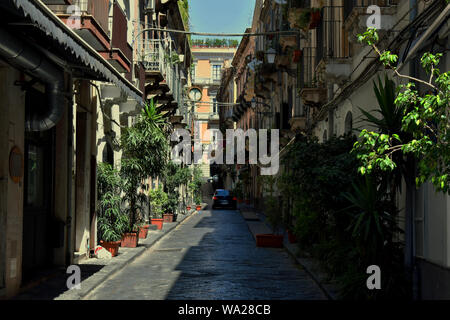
column 111, row 269
column 316, row 279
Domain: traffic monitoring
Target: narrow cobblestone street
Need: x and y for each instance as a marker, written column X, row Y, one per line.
column 212, row 255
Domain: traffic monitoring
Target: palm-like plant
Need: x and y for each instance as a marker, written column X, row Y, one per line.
column 374, row 217
column 387, row 119
column 145, row 154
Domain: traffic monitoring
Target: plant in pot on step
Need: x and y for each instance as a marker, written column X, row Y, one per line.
column 273, row 215
column 111, row 220
column 170, row 207
column 143, row 226
column 158, row 202
column 145, row 150
column 195, row 186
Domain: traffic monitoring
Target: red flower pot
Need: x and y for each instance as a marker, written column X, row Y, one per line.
column 269, row 241
column 111, row 246
column 130, row 240
column 168, row 217
column 297, row 55
column 143, row 231
column 158, row 222
column 198, row 208
column 291, row 237
column 188, row 208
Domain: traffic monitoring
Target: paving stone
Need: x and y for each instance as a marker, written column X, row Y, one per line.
column 210, row 256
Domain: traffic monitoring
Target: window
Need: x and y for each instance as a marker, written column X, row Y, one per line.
column 216, row 71
column 194, row 66
column 214, row 101
column 348, row 123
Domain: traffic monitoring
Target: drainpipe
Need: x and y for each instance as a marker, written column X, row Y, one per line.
column 20, row 54
column 69, row 181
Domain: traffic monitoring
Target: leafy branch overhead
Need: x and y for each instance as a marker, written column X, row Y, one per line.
column 425, row 106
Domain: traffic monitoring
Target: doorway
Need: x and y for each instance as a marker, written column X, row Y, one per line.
column 37, row 252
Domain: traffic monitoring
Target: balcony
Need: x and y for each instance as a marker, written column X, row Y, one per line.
column 333, row 48
column 207, row 81
column 93, row 27
column 355, row 15
column 120, row 54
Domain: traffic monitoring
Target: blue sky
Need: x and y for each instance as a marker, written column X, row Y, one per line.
column 219, row 16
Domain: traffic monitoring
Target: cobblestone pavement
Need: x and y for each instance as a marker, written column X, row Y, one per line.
column 211, row 256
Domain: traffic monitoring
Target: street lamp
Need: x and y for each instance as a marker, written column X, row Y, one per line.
column 271, row 53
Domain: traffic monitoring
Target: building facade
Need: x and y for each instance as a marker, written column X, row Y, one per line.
column 319, row 81
column 208, row 64
column 73, row 75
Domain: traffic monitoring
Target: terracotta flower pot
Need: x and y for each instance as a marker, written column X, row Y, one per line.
column 111, row 246
column 269, row 241
column 130, row 240
column 143, row 231
column 198, row 208
column 291, row 237
column 168, row 217
column 158, row 222
column 188, row 208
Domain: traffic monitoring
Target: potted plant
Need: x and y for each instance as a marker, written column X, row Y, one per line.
column 145, row 150
column 143, row 231
column 111, row 220
column 158, row 201
column 169, row 208
column 274, row 217
column 198, row 202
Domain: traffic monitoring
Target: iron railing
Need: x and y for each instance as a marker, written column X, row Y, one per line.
column 350, row 4
column 332, row 41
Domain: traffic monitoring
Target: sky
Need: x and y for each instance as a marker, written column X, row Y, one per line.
column 220, row 16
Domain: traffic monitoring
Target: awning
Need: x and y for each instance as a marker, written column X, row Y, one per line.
column 48, row 22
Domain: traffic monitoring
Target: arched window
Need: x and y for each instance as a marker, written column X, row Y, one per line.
column 348, row 123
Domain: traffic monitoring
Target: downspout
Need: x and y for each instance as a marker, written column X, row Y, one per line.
column 20, row 54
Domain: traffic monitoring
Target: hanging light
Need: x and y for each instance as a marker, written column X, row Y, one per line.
column 271, row 53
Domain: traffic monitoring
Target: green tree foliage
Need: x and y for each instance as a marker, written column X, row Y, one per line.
column 425, row 119
column 158, row 201
column 112, row 223
column 215, row 42
column 145, row 154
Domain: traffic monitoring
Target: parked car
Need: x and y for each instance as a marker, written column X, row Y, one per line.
column 224, row 199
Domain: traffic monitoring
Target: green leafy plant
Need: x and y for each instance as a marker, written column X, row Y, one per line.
column 112, row 223
column 426, row 119
column 196, row 184
column 271, row 208
column 145, row 154
column 158, row 201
